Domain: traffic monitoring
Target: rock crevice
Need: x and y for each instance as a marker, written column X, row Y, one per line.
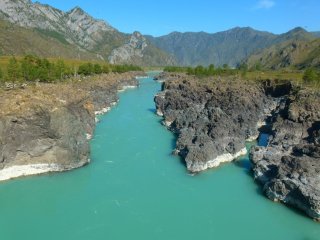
column 288, row 168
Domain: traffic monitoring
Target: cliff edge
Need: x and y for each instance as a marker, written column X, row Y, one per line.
column 47, row 127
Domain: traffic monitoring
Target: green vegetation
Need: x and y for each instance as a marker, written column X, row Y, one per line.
column 13, row 71
column 201, row 71
column 311, row 76
column 52, row 34
column 292, row 54
column 31, row 68
column 89, row 69
column 243, row 68
column 1, row 75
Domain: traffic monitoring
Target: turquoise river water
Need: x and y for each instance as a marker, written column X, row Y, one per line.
column 135, row 189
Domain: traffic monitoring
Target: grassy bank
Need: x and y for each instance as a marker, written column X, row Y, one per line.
column 307, row 77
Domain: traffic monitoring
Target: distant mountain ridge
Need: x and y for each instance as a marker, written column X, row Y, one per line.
column 317, row 34
column 35, row 28
column 77, row 30
column 227, row 47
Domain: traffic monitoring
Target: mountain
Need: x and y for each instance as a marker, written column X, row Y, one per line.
column 293, row 53
column 317, row 34
column 15, row 40
column 133, row 50
column 46, row 31
column 229, row 47
column 75, row 29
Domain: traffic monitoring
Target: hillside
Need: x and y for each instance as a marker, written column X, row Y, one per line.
column 317, row 34
column 229, row 47
column 75, row 33
column 15, row 40
column 294, row 53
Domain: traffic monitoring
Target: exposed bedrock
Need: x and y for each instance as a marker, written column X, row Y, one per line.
column 212, row 118
column 289, row 167
column 46, row 128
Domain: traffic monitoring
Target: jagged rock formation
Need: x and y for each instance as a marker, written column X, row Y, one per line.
column 134, row 48
column 46, row 128
column 212, row 118
column 288, row 168
column 138, row 50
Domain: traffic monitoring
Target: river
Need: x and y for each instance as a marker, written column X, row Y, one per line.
column 135, row 189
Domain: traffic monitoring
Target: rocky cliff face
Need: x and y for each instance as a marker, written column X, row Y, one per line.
column 134, row 48
column 212, row 118
column 139, row 51
column 288, row 168
column 47, row 128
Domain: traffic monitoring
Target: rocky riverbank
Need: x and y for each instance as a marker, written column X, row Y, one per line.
column 213, row 118
column 47, row 127
column 289, row 167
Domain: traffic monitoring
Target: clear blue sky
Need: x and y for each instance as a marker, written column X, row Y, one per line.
column 159, row 17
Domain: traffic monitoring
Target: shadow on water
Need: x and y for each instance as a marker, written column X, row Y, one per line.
column 246, row 165
column 244, row 162
column 153, row 110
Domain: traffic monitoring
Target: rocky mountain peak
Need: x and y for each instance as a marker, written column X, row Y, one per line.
column 76, row 25
column 87, row 30
column 138, row 41
column 298, row 29
column 133, row 48
column 77, row 9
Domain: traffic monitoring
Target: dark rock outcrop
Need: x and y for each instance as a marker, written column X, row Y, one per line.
column 212, row 118
column 47, row 128
column 289, row 167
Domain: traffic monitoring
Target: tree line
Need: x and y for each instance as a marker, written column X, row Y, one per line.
column 211, row 70
column 33, row 68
